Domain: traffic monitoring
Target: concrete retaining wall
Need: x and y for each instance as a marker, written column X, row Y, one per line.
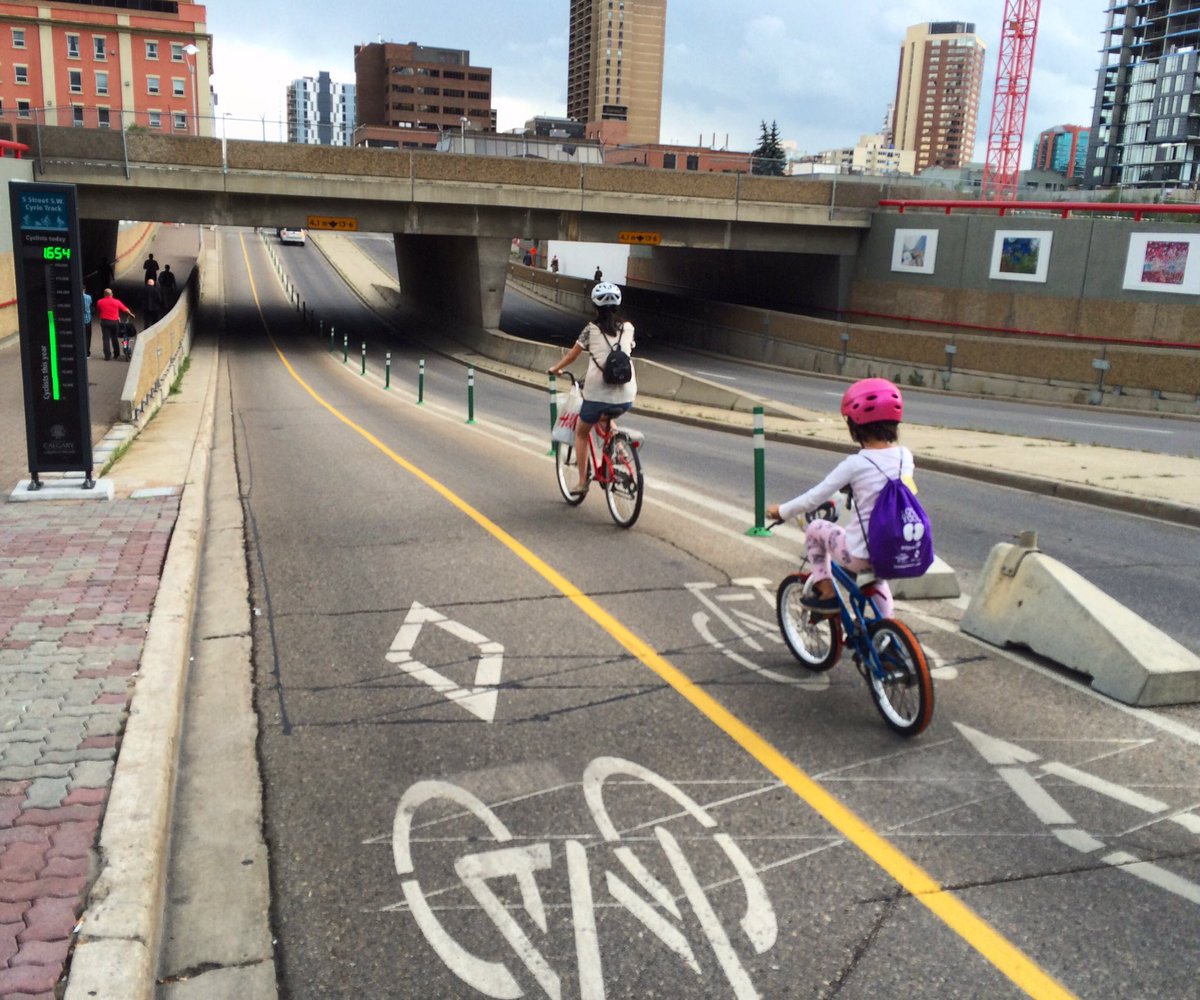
column 159, row 353
column 1150, row 378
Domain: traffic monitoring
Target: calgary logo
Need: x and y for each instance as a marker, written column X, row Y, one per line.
column 58, row 432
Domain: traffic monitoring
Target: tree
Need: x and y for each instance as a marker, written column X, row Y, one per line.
column 768, row 159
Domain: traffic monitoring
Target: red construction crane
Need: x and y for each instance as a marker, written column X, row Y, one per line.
column 1010, row 100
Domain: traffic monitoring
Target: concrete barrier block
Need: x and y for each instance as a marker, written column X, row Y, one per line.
column 1025, row 598
column 939, row 582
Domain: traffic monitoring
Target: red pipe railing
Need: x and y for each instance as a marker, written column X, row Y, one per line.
column 1064, row 208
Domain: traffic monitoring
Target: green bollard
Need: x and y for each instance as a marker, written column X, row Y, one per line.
column 421, row 383
column 387, row 370
column 470, row 395
column 760, row 476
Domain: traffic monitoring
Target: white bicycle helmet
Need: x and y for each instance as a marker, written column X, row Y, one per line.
column 606, row 294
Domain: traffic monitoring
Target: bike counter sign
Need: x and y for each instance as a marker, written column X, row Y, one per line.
column 46, row 252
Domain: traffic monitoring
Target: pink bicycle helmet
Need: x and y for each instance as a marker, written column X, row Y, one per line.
column 872, row 399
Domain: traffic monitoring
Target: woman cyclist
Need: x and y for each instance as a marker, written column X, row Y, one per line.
column 873, row 409
column 600, row 399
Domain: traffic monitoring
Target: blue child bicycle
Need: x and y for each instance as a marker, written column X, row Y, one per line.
column 887, row 654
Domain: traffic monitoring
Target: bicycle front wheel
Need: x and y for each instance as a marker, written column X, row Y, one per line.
column 624, row 489
column 815, row 640
column 904, row 692
column 567, row 472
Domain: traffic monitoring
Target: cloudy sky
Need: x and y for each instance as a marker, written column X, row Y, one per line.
column 825, row 71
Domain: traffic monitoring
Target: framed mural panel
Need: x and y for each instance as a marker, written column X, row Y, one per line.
column 915, row 250
column 1021, row 255
column 1163, row 262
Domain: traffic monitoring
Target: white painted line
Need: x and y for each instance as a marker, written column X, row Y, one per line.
column 1155, row 875
column 1111, row 427
column 1080, row 840
column 1039, row 801
column 1188, row 820
column 1108, row 788
column 723, row 378
column 996, row 751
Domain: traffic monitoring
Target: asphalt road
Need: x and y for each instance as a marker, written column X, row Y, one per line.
column 510, row 750
column 1084, row 425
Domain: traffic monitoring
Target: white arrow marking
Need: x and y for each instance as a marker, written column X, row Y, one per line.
column 479, row 700
column 996, row 751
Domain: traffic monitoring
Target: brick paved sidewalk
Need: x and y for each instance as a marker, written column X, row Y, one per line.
column 77, row 584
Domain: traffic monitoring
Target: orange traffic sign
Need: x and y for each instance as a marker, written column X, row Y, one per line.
column 332, row 222
column 640, row 239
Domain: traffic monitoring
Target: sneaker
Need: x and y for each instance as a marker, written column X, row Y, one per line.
column 819, row 605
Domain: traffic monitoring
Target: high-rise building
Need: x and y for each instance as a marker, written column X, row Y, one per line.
column 1146, row 122
column 99, row 64
column 320, row 112
column 409, row 95
column 1062, row 149
column 615, row 68
column 937, row 93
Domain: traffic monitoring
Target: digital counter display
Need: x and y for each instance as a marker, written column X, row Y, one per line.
column 53, row 334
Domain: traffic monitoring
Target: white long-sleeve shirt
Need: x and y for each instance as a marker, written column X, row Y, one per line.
column 864, row 479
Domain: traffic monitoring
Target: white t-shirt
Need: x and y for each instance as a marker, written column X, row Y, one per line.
column 596, row 348
column 865, row 480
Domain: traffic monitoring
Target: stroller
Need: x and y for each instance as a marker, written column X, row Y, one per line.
column 128, row 335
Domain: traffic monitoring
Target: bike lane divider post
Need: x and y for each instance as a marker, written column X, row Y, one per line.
column 421, row 382
column 387, row 370
column 345, row 345
column 760, row 476
column 363, row 369
column 470, row 394
column 553, row 410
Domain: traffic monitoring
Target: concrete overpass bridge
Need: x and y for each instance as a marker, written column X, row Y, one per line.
column 453, row 216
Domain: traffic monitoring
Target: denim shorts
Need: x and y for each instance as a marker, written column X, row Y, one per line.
column 592, row 410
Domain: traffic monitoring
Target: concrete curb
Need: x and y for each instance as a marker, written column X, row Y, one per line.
column 116, row 954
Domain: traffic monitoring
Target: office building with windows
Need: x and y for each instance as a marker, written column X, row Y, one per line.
column 408, row 96
column 937, row 93
column 615, row 68
column 1062, row 149
column 1146, row 119
column 106, row 65
column 320, row 112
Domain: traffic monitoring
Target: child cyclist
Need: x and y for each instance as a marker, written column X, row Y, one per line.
column 873, row 409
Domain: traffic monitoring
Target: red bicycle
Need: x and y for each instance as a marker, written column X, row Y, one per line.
column 614, row 465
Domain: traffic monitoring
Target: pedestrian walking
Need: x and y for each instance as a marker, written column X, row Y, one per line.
column 87, row 320
column 152, row 304
column 166, row 285
column 150, row 267
column 554, row 263
column 109, row 309
column 598, row 276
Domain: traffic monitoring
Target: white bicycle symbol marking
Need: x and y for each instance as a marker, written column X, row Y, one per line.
column 632, row 887
column 756, row 631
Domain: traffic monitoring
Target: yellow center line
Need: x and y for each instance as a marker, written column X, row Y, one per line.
column 960, row 918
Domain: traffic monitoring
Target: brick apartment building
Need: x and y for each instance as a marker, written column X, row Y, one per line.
column 106, row 65
column 408, row 96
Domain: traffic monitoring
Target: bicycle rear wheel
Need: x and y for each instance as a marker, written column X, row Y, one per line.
column 624, row 490
column 815, row 640
column 567, row 472
column 904, row 694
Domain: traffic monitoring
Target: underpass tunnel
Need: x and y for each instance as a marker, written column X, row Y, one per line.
column 461, row 276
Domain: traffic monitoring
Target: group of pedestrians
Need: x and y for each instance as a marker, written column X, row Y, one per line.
column 158, row 296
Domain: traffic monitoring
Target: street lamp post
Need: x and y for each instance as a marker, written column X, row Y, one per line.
column 191, row 51
column 463, row 122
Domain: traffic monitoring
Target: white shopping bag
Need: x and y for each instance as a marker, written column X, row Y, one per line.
column 564, row 426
